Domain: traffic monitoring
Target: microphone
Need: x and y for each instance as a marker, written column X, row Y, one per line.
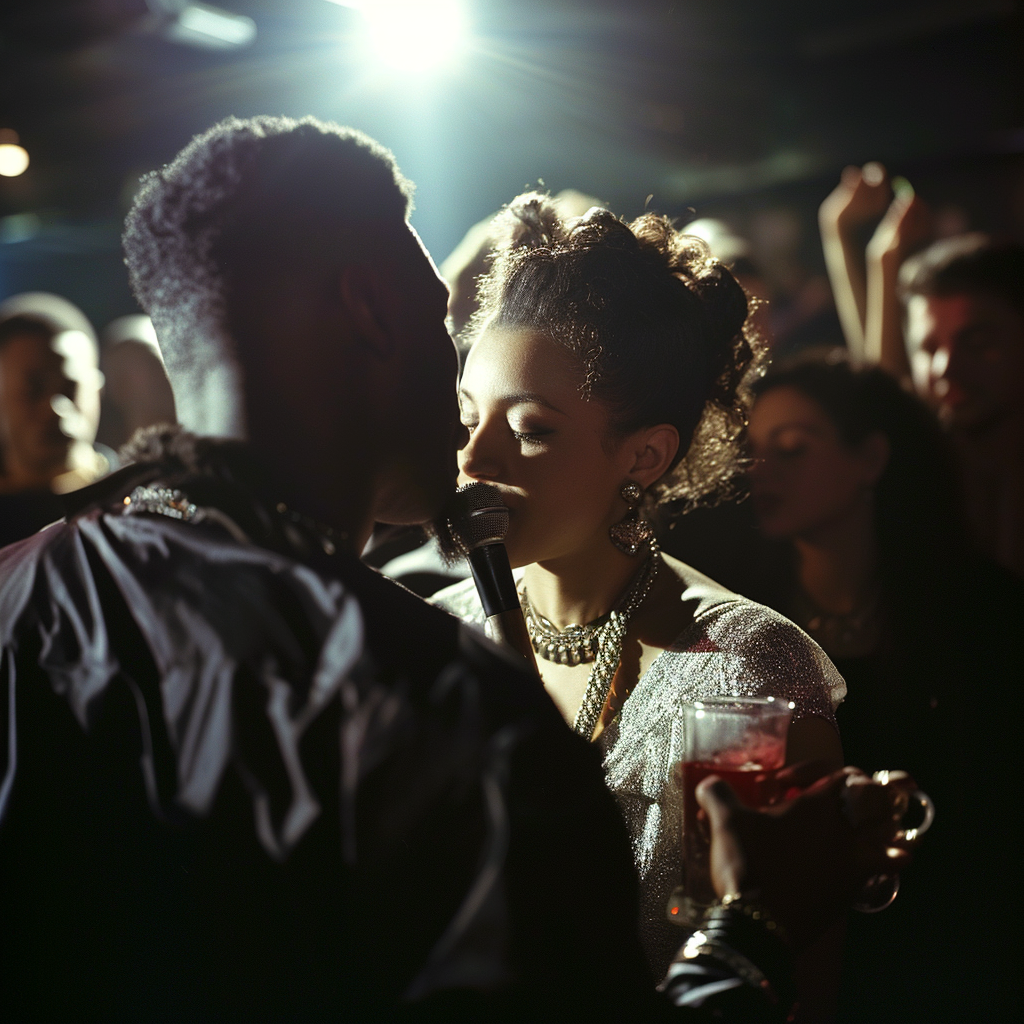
column 480, row 523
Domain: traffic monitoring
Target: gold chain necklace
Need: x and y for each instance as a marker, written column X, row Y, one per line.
column 599, row 641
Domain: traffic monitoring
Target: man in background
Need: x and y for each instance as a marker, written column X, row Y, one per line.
column 49, row 409
column 964, row 300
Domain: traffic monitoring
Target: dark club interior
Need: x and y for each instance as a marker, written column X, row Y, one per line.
column 510, row 510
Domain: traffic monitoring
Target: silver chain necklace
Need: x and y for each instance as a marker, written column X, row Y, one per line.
column 599, row 641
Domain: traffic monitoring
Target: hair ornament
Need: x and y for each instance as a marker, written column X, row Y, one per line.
column 591, row 371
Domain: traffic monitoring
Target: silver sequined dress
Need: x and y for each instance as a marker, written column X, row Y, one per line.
column 733, row 647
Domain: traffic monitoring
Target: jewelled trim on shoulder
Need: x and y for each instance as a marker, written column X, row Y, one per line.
column 163, row 501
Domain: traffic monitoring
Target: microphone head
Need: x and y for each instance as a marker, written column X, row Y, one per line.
column 479, row 516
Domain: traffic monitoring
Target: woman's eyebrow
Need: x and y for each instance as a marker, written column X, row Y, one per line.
column 518, row 398
column 529, row 397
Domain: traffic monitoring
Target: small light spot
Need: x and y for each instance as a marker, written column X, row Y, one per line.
column 13, row 160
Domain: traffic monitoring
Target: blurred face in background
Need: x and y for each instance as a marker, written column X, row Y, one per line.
column 967, row 356
column 136, row 390
column 49, row 402
column 805, row 478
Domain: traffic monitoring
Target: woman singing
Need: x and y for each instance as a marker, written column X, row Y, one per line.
column 604, row 377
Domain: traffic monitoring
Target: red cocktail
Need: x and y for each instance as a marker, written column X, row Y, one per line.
column 742, row 741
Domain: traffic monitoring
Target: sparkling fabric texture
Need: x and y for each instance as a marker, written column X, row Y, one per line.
column 733, row 647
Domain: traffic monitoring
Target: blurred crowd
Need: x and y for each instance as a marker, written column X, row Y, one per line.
column 883, row 513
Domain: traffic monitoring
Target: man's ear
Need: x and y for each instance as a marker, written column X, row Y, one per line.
column 363, row 298
column 653, row 449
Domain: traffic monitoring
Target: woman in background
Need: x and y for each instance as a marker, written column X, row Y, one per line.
column 605, row 376
column 854, row 483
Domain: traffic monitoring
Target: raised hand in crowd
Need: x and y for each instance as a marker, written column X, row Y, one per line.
column 905, row 226
column 862, row 195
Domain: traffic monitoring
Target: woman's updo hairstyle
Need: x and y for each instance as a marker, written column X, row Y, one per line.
column 657, row 323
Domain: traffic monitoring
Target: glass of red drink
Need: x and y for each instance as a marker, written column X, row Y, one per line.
column 743, row 741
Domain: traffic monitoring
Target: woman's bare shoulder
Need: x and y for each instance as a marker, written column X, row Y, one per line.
column 681, row 595
column 695, row 584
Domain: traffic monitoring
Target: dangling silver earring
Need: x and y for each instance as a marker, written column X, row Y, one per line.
column 632, row 533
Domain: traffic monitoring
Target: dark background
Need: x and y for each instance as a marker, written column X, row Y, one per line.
column 738, row 108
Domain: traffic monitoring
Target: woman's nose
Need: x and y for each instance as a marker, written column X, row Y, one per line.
column 479, row 459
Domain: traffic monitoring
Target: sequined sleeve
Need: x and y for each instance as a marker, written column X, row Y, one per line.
column 764, row 654
column 732, row 647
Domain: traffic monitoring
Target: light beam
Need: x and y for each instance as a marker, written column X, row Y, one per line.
column 412, row 36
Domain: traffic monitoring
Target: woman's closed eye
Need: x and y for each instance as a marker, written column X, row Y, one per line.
column 531, row 435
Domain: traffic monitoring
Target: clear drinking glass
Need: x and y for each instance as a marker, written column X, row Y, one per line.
column 743, row 741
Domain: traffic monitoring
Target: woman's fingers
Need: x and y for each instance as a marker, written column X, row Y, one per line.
column 729, row 867
column 792, row 780
column 861, row 195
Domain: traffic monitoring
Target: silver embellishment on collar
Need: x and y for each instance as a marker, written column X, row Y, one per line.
column 163, row 501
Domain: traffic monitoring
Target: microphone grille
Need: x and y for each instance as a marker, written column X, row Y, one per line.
column 481, row 516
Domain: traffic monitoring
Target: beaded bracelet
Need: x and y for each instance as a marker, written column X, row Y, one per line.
column 739, row 923
column 745, row 969
column 733, row 904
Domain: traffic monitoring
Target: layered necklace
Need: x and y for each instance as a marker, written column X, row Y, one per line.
column 599, row 641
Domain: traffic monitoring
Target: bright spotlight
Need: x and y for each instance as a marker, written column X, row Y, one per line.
column 412, row 35
column 13, row 159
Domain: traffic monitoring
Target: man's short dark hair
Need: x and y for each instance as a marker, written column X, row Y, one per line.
column 43, row 315
column 245, row 195
column 967, row 264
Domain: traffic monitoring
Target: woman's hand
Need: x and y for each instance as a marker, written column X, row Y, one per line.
column 862, row 195
column 807, row 859
column 906, row 224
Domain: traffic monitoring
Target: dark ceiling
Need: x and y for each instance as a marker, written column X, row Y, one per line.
column 689, row 101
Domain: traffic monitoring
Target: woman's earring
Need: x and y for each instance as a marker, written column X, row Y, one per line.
column 632, row 533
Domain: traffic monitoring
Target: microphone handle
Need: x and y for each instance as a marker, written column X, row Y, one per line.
column 497, row 589
column 509, row 629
